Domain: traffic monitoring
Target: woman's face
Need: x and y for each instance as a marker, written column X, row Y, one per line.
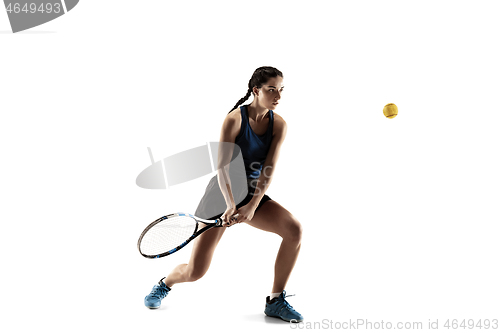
column 270, row 93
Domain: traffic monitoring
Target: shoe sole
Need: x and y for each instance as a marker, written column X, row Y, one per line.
column 296, row 321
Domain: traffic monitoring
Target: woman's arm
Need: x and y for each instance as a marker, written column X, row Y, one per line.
column 230, row 129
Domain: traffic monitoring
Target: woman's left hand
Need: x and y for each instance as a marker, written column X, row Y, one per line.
column 245, row 213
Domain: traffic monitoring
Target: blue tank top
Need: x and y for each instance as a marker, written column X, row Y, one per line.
column 254, row 148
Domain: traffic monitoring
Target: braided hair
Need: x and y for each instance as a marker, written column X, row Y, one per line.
column 258, row 79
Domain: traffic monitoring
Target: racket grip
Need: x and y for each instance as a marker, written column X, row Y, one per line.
column 219, row 220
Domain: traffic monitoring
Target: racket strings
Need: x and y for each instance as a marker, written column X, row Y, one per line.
column 167, row 235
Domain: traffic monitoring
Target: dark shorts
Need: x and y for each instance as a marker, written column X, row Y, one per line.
column 213, row 197
column 251, row 190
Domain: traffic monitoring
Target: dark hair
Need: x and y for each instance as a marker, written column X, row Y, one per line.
column 258, row 79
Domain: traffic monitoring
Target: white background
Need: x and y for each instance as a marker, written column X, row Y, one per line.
column 400, row 215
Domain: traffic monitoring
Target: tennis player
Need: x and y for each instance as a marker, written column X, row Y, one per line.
column 259, row 133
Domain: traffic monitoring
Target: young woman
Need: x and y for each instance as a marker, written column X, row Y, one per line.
column 259, row 133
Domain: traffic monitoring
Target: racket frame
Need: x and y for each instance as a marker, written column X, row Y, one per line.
column 209, row 225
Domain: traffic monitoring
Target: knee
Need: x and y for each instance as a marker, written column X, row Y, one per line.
column 193, row 274
column 293, row 231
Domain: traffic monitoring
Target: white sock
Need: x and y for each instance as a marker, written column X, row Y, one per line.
column 273, row 295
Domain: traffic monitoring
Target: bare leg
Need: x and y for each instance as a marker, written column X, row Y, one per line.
column 201, row 257
column 274, row 218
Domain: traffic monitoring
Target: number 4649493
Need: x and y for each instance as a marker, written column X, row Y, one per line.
column 33, row 8
column 471, row 324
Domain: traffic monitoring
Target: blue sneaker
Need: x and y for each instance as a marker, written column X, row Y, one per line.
column 280, row 308
column 153, row 300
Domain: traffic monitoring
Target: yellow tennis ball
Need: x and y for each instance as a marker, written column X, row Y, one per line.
column 390, row 110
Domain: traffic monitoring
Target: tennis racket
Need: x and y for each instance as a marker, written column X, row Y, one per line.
column 170, row 233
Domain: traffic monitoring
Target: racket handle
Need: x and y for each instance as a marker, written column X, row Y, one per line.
column 219, row 221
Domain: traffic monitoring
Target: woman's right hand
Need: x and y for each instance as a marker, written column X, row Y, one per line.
column 228, row 214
